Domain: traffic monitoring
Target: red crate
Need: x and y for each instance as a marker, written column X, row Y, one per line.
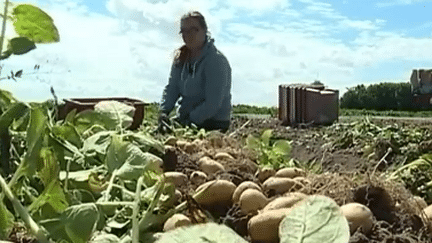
column 82, row 104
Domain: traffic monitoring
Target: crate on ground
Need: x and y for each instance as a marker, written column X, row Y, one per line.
column 82, row 104
column 302, row 104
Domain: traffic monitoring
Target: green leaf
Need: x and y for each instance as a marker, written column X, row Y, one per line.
column 35, row 24
column 34, row 142
column 130, row 161
column 202, row 233
column 115, row 114
column 50, row 169
column 20, row 45
column 6, row 99
column 53, row 197
column 317, row 219
column 98, row 142
column 68, row 132
column 6, row 221
column 265, row 137
column 14, row 111
column 282, row 147
column 76, row 224
column 147, row 142
column 252, row 142
column 80, row 221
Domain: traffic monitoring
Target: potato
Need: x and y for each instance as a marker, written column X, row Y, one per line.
column 197, row 143
column 177, row 178
column 181, row 144
column 290, row 172
column 223, row 156
column 189, row 148
column 419, row 202
column 209, row 166
column 178, row 195
column 264, row 173
column 176, row 221
column 198, row 177
column 428, row 212
column 171, row 140
column 252, row 200
column 264, row 227
column 358, row 215
column 279, row 184
column 215, row 192
column 242, row 187
column 284, row 201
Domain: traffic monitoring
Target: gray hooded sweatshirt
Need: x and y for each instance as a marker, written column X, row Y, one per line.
column 203, row 86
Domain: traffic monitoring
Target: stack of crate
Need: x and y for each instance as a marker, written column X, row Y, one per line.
column 303, row 104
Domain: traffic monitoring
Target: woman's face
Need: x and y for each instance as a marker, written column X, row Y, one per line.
column 192, row 33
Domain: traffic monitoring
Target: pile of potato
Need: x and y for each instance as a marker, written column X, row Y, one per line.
column 289, row 187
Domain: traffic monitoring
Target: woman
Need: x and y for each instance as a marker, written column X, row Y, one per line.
column 200, row 77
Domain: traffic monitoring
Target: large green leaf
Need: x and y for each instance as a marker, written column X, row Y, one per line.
column 20, row 45
column 202, row 233
column 130, row 161
column 34, row 142
column 265, row 137
column 68, row 132
column 50, row 169
column 6, row 99
column 282, row 147
column 116, row 114
column 318, row 219
column 6, row 221
column 35, row 24
column 52, row 200
column 76, row 224
column 14, row 111
column 98, row 142
column 147, row 142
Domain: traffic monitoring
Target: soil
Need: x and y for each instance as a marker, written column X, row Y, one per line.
column 396, row 220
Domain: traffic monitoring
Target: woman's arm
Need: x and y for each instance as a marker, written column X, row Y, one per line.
column 171, row 91
column 217, row 87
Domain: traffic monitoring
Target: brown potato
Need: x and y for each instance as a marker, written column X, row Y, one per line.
column 209, row 166
column 284, row 201
column 176, row 221
column 242, row 187
column 428, row 212
column 215, row 192
column 264, row 227
column 189, row 148
column 198, row 177
column 177, row 178
column 223, row 156
column 279, row 184
column 252, row 200
column 181, row 144
column 419, row 202
column 358, row 215
column 264, row 173
column 290, row 172
column 171, row 140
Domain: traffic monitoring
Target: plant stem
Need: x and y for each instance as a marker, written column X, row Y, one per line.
column 135, row 221
column 25, row 216
column 4, row 26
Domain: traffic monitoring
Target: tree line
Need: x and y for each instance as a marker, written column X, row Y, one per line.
column 382, row 96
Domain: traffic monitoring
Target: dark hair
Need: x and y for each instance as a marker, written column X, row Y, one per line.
column 182, row 53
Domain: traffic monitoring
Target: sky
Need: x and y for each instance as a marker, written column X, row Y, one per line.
column 125, row 48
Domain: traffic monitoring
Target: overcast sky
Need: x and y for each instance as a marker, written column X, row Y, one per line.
column 124, row 48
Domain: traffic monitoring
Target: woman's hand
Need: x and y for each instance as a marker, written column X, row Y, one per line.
column 164, row 123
